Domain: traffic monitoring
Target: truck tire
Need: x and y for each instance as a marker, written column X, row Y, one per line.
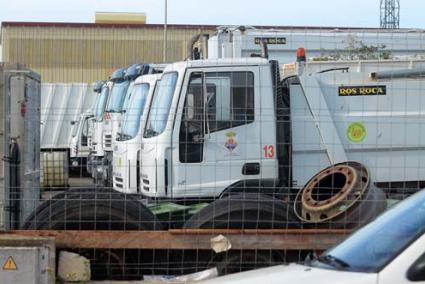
column 246, row 211
column 92, row 209
column 97, row 209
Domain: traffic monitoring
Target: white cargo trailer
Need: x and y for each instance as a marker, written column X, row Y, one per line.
column 62, row 106
column 321, row 43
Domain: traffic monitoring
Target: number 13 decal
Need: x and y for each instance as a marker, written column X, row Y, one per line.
column 269, row 151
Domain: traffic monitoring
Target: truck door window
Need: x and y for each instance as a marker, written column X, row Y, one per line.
column 230, row 102
column 192, row 123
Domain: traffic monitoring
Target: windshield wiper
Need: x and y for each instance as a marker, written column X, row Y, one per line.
column 333, row 261
column 125, row 136
column 151, row 133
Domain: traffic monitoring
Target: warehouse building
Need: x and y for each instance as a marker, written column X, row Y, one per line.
column 85, row 52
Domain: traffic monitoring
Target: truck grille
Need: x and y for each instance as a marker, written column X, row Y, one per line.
column 118, row 182
column 146, row 184
column 108, row 140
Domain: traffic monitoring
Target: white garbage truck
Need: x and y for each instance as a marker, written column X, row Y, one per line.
column 79, row 148
column 126, row 163
column 96, row 145
column 243, row 129
column 122, row 87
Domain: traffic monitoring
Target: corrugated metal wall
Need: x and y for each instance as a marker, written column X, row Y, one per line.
column 89, row 52
column 60, row 105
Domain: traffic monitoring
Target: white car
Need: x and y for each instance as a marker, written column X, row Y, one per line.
column 390, row 250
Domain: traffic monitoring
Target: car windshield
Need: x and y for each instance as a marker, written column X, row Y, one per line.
column 136, row 105
column 101, row 102
column 160, row 107
column 119, row 90
column 375, row 245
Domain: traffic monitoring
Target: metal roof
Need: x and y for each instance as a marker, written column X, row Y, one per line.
column 189, row 26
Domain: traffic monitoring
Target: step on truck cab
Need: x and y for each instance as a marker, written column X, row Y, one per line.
column 126, row 162
column 217, row 126
column 123, row 80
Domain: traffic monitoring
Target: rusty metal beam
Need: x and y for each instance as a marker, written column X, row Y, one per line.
column 192, row 239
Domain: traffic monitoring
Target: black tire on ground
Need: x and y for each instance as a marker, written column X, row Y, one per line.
column 246, row 211
column 97, row 209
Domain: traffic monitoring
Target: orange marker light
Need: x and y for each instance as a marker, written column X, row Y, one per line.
column 301, row 54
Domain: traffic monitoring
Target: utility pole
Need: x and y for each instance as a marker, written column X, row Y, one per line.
column 164, row 56
column 390, row 14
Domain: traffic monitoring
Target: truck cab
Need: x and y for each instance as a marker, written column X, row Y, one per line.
column 126, row 163
column 79, row 146
column 96, row 148
column 207, row 129
column 121, row 90
column 81, row 141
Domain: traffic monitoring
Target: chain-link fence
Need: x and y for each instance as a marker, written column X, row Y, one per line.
column 254, row 153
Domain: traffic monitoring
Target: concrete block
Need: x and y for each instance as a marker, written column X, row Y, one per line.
column 73, row 267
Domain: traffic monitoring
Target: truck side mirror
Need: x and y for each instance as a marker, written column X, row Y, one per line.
column 417, row 271
column 190, row 107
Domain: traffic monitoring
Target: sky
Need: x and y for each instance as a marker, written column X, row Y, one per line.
column 347, row 13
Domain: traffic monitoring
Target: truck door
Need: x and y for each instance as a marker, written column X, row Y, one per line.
column 218, row 137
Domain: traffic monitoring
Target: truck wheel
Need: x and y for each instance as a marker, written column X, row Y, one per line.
column 246, row 211
column 97, row 209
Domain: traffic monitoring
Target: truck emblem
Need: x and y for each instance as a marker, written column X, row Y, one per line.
column 356, row 132
column 231, row 143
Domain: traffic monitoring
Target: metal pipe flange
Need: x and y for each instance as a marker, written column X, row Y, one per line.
column 332, row 192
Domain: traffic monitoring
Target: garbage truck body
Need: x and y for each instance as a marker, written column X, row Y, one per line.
column 216, row 126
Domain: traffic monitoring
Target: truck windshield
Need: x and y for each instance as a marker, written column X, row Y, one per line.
column 131, row 118
column 160, row 107
column 128, row 95
column 77, row 126
column 101, row 102
column 371, row 248
column 119, row 90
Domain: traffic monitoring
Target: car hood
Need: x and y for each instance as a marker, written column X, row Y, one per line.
column 297, row 274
